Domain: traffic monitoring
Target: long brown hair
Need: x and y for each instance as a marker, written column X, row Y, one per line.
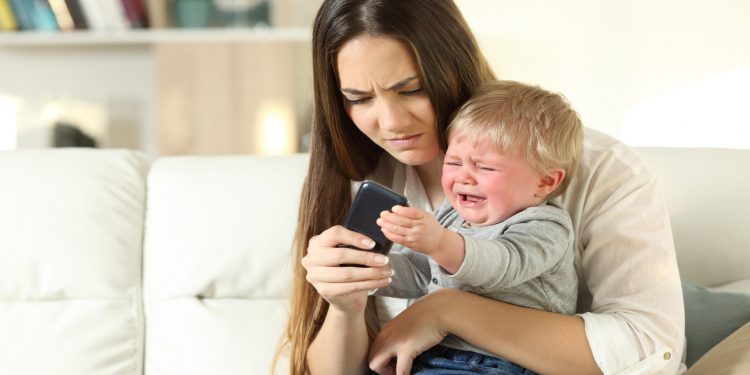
column 451, row 66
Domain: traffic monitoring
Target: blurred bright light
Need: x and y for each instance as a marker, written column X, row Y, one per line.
column 8, row 123
column 278, row 135
column 713, row 113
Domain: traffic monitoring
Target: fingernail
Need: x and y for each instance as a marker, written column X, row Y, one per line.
column 393, row 272
column 368, row 243
column 380, row 259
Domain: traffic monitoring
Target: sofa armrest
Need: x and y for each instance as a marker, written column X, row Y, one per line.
column 729, row 357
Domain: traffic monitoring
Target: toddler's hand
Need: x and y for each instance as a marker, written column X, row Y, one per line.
column 411, row 227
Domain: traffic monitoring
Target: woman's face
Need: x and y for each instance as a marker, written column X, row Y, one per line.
column 383, row 95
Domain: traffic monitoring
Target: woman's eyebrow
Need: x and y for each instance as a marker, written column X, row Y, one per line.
column 401, row 83
column 395, row 86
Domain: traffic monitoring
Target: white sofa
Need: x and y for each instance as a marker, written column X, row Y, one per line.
column 111, row 264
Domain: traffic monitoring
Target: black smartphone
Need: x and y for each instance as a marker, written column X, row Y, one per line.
column 372, row 198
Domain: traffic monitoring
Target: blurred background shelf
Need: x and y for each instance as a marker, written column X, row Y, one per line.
column 192, row 80
column 146, row 37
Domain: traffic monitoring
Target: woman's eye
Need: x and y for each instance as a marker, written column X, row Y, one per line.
column 355, row 101
column 412, row 92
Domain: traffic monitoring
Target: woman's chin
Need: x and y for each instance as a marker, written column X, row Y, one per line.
column 414, row 157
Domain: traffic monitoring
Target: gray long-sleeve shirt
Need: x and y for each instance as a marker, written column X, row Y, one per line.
column 526, row 260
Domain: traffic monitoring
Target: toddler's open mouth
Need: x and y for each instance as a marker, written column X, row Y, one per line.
column 468, row 198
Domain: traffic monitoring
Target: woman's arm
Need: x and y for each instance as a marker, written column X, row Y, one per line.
column 341, row 345
column 544, row 342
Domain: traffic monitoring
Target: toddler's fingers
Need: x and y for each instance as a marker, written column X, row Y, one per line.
column 397, row 219
column 394, row 237
column 409, row 212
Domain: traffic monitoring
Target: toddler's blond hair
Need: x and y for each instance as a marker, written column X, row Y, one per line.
column 524, row 121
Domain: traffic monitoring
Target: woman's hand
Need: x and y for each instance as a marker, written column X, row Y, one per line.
column 345, row 288
column 409, row 334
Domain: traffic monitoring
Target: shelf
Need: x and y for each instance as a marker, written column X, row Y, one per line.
column 148, row 37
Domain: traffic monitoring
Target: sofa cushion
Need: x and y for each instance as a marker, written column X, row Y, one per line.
column 739, row 286
column 71, row 228
column 217, row 261
column 711, row 316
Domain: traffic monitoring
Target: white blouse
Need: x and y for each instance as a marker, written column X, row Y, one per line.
column 629, row 295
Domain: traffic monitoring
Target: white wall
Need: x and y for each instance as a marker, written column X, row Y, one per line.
column 652, row 72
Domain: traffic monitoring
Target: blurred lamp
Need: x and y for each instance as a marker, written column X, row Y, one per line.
column 277, row 134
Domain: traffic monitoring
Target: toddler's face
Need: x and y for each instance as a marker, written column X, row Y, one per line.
column 486, row 186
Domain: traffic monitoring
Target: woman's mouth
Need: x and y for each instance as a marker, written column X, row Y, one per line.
column 403, row 141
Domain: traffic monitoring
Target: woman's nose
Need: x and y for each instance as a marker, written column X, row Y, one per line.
column 392, row 115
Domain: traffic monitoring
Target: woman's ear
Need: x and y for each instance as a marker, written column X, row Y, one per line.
column 549, row 181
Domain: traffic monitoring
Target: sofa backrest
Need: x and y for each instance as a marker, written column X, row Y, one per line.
column 706, row 191
column 216, row 261
column 71, row 228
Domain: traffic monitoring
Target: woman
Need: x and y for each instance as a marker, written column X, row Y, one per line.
column 388, row 74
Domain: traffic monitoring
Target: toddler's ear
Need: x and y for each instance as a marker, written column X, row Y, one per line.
column 549, row 181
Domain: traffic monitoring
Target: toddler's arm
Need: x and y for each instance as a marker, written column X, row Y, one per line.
column 420, row 231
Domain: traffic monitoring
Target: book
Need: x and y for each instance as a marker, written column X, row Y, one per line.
column 114, row 14
column 7, row 18
column 62, row 14
column 158, row 13
column 135, row 13
column 93, row 14
column 42, row 16
column 76, row 13
column 22, row 11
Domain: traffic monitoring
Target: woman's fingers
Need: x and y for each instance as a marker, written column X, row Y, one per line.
column 403, row 364
column 391, row 362
column 381, row 362
column 335, row 256
column 347, row 274
column 345, row 288
column 338, row 235
column 408, row 334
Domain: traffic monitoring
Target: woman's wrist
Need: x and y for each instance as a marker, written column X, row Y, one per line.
column 444, row 303
column 345, row 316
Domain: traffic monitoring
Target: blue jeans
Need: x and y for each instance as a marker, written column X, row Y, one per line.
column 440, row 360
